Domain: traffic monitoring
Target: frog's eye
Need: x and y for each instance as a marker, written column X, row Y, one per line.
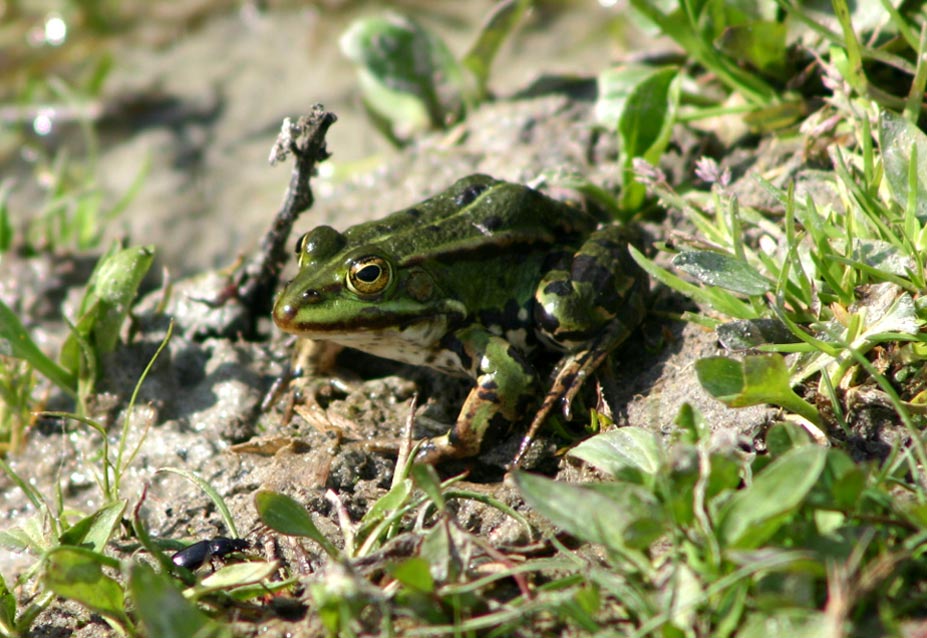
column 369, row 275
column 301, row 243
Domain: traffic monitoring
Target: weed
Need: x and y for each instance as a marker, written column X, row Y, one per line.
column 408, row 76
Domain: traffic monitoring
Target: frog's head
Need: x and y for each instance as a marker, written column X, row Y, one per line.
column 342, row 291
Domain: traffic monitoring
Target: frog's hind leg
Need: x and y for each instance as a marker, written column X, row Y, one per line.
column 598, row 286
column 588, row 305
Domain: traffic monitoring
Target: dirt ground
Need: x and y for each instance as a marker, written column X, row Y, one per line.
column 210, row 195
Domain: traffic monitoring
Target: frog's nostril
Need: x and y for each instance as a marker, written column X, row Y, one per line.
column 311, row 295
column 286, row 312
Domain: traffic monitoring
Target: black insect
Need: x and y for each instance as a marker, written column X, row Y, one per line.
column 195, row 555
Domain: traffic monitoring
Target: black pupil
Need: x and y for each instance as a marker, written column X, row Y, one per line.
column 368, row 274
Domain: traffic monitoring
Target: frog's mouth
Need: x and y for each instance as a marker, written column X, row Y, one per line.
column 390, row 335
column 368, row 323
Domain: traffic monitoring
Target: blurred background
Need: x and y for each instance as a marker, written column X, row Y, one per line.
column 153, row 120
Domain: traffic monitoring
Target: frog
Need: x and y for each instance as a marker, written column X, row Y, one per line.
column 475, row 281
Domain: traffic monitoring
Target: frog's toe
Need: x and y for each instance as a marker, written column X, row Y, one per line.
column 430, row 452
column 444, row 447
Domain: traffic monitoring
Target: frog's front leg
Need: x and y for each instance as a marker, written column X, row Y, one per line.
column 506, row 386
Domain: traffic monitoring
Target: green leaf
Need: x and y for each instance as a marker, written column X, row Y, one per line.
column 495, row 30
column 614, row 87
column 164, row 611
column 691, row 422
column 408, row 76
column 775, row 117
column 338, row 596
column 756, row 512
column 841, row 484
column 722, row 270
column 883, row 256
column 888, row 310
column 759, row 379
column 723, row 377
column 414, row 573
column 681, row 21
column 15, row 341
column 209, row 491
column 745, row 334
column 440, row 549
column 617, row 515
column 644, row 128
column 7, row 608
column 760, row 43
column 77, row 574
column 726, row 470
column 649, row 114
column 384, row 506
column 237, row 575
column 426, row 479
column 852, row 69
column 785, row 436
column 681, row 595
column 718, row 298
column 28, row 537
column 283, row 514
column 903, row 143
column 618, row 451
column 95, row 530
column 677, row 489
column 6, row 226
column 106, row 303
column 115, row 287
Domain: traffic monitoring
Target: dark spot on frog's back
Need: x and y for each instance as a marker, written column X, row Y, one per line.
column 469, row 194
column 609, row 245
column 586, row 268
column 413, row 212
column 493, row 222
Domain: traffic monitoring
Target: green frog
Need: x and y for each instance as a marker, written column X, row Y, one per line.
column 473, row 282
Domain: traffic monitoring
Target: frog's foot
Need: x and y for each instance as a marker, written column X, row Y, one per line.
column 506, row 386
column 569, row 377
column 484, row 410
column 443, row 448
column 307, row 378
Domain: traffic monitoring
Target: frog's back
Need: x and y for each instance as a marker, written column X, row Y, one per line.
column 461, row 218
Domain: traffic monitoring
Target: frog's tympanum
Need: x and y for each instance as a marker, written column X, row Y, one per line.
column 471, row 282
